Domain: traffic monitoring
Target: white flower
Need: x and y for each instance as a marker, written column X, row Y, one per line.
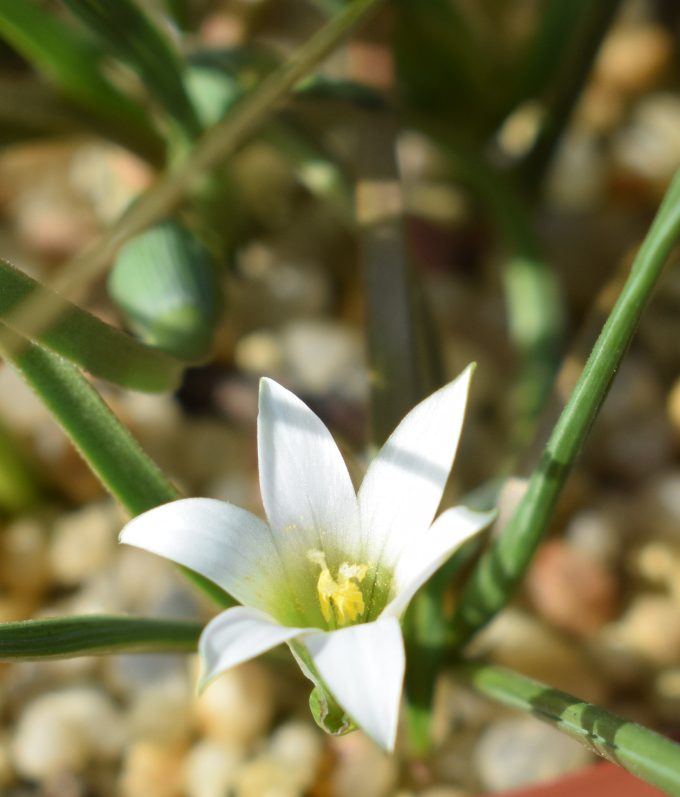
column 332, row 572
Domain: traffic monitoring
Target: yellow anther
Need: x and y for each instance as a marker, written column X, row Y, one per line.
column 341, row 598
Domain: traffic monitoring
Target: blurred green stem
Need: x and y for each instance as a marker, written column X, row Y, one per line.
column 104, row 443
column 645, row 754
column 90, row 635
column 218, row 143
column 503, row 565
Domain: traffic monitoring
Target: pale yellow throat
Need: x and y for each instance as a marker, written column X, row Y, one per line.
column 340, row 598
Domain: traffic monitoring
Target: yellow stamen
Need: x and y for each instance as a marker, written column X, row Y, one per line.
column 341, row 598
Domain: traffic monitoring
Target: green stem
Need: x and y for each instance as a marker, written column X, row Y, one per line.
column 104, row 443
column 88, row 635
column 503, row 565
column 85, row 340
column 645, row 754
column 218, row 143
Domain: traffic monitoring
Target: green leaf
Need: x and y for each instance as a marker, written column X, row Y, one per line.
column 165, row 284
column 89, row 635
column 129, row 35
column 72, row 63
column 503, row 565
column 105, row 444
column 645, row 754
column 85, row 340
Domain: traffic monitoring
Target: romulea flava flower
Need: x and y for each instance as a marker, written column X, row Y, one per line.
column 332, row 571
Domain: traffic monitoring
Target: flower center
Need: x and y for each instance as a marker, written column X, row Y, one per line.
column 340, row 598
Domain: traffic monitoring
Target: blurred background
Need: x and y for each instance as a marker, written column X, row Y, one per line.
column 460, row 181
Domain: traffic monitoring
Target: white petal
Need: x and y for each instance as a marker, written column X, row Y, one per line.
column 363, row 666
column 404, row 483
column 423, row 556
column 220, row 541
column 306, row 489
column 237, row 635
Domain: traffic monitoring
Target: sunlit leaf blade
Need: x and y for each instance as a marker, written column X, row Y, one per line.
column 128, row 34
column 114, row 456
column 72, row 63
column 645, row 754
column 90, row 343
column 503, row 565
column 90, row 635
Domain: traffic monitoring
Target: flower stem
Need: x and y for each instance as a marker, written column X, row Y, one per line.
column 503, row 565
column 642, row 752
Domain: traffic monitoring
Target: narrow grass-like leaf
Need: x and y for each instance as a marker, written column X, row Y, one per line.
column 645, row 754
column 108, row 448
column 128, row 34
column 503, row 565
column 90, row 343
column 94, row 635
column 72, row 63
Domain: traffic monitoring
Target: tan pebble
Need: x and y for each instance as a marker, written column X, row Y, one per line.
column 456, row 706
column 17, row 607
column 162, row 713
column 211, row 769
column 83, row 542
column 66, row 731
column 659, row 508
column 152, row 770
column 518, row 641
column 619, row 665
column 265, row 776
column 298, row 746
column 597, row 534
column 651, row 627
column 666, row 695
column 632, row 58
column 673, row 407
column 361, row 769
column 452, row 759
column 655, row 562
column 556, row 568
column 24, row 566
column 519, row 751
column 238, row 706
column 7, row 775
column 444, row 791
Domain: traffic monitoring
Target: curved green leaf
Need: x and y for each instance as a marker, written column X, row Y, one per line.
column 128, row 34
column 85, row 340
column 71, row 62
